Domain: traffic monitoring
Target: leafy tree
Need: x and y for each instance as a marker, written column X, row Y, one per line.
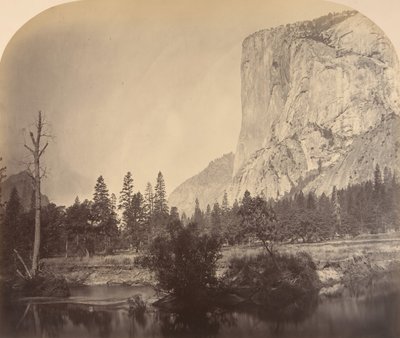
column 259, row 220
column 53, row 222
column 216, row 220
column 185, row 262
column 79, row 230
column 233, row 232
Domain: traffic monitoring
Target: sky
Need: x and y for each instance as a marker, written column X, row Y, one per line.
column 136, row 86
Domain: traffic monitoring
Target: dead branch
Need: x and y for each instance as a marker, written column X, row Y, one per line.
column 32, row 138
column 29, row 148
column 23, row 263
column 43, row 149
column 21, row 275
column 24, row 315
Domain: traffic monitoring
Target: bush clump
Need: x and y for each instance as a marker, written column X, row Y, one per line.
column 44, row 285
column 185, row 263
column 280, row 284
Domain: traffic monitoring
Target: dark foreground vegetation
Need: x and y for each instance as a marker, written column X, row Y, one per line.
column 185, row 263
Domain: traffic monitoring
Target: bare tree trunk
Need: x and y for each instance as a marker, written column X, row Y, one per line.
column 66, row 248
column 36, row 243
column 37, row 152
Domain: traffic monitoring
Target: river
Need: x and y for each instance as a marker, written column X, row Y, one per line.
column 100, row 311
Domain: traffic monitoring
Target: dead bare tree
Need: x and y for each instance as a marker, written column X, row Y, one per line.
column 2, row 177
column 37, row 151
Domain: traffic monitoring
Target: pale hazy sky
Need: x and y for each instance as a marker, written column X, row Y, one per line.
column 135, row 85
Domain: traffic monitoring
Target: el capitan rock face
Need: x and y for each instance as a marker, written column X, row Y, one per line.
column 320, row 107
column 320, row 103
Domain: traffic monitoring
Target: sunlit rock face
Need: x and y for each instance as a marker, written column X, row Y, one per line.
column 320, row 107
column 320, row 104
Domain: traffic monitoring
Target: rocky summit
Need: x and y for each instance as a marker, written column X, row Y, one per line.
column 320, row 108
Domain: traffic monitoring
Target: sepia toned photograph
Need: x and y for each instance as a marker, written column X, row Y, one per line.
column 186, row 168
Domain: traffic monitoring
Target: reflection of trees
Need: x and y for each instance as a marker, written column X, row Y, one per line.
column 138, row 319
column 50, row 320
column 91, row 320
column 279, row 313
column 194, row 323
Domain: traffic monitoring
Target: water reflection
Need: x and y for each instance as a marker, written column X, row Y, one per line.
column 97, row 323
column 194, row 323
column 350, row 317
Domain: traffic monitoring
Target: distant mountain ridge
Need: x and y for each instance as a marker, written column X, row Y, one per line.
column 208, row 186
column 23, row 183
column 320, row 108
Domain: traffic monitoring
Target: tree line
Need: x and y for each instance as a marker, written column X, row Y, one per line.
column 88, row 227
column 368, row 207
column 104, row 223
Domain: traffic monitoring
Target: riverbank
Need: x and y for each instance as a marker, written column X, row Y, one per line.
column 341, row 265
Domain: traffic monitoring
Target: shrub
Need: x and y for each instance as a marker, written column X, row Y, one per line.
column 44, row 285
column 111, row 261
column 185, row 262
column 280, row 288
column 126, row 261
column 142, row 261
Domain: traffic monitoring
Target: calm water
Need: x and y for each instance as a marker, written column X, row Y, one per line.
column 100, row 312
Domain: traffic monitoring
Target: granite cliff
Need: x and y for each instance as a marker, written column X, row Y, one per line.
column 320, row 107
column 208, row 186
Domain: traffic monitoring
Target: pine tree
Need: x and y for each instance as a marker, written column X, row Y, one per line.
column 216, row 220
column 311, row 204
column 136, row 228
column 2, row 177
column 160, row 199
column 105, row 219
column 377, row 179
column 336, row 209
column 125, row 198
column 113, row 202
column 198, row 217
column 300, row 200
column 10, row 230
column 174, row 214
column 184, row 219
column 225, row 204
column 149, row 201
column 101, row 201
column 387, row 176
